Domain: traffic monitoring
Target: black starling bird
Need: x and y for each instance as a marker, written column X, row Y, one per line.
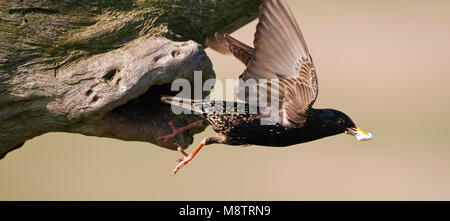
column 280, row 53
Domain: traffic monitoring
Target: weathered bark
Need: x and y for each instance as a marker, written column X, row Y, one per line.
column 98, row 67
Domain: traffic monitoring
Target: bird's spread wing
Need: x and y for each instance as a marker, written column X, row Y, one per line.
column 281, row 53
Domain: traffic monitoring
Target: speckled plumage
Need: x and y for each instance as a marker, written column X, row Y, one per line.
column 241, row 125
column 276, row 135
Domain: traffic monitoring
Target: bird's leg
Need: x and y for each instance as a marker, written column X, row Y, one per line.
column 176, row 131
column 189, row 157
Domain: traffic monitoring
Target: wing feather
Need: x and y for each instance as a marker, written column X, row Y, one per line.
column 281, row 53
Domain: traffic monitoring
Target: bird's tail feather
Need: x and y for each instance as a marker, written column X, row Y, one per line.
column 188, row 104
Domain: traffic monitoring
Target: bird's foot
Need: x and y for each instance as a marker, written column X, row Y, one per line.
column 182, row 161
column 187, row 157
column 176, row 131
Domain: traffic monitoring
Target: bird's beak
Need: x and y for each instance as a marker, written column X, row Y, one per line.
column 359, row 133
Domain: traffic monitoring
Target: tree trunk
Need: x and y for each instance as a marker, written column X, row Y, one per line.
column 98, row 67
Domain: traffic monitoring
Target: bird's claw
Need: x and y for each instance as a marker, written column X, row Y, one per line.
column 188, row 157
column 182, row 161
column 176, row 131
column 167, row 137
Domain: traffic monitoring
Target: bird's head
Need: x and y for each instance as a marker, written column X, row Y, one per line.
column 342, row 123
column 351, row 129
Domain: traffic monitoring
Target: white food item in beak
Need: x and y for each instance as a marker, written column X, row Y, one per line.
column 360, row 135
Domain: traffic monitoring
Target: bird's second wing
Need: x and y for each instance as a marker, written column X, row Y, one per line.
column 280, row 49
column 226, row 44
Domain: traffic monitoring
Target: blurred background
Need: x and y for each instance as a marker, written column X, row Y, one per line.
column 384, row 63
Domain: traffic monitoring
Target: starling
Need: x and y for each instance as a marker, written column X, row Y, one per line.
column 279, row 52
